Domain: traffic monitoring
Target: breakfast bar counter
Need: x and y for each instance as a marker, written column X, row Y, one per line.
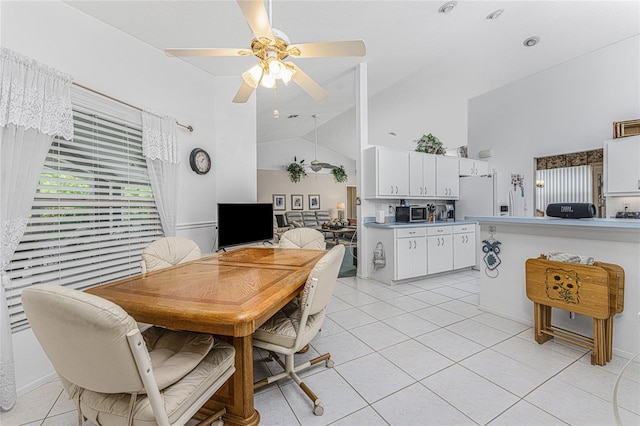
column 503, row 291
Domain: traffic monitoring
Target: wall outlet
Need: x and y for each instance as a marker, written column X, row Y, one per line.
column 391, row 210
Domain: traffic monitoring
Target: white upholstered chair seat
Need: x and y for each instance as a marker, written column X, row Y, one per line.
column 117, row 375
column 282, row 328
column 111, row 409
column 168, row 251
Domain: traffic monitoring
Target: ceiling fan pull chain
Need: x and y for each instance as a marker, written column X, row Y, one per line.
column 276, row 114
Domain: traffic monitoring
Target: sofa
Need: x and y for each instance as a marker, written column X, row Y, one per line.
column 307, row 218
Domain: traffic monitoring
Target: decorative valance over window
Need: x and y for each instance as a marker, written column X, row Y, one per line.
column 34, row 96
column 159, row 138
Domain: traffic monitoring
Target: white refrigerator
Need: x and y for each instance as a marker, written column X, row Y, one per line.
column 477, row 197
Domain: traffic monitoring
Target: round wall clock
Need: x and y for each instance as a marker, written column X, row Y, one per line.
column 200, row 161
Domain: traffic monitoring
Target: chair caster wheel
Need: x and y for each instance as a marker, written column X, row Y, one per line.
column 318, row 410
column 330, row 363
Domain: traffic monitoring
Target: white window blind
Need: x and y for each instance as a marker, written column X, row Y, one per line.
column 93, row 212
column 564, row 185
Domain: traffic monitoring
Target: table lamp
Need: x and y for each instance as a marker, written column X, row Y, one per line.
column 341, row 211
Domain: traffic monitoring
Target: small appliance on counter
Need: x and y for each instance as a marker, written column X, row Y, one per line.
column 627, row 215
column 411, row 214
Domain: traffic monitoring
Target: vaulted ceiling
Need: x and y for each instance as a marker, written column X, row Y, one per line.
column 402, row 38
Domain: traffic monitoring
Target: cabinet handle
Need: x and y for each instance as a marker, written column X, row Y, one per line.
column 639, row 184
column 409, row 244
column 420, row 190
column 396, row 189
column 392, row 189
column 415, row 244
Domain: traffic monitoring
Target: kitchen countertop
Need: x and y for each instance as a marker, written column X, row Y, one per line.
column 556, row 221
column 394, row 225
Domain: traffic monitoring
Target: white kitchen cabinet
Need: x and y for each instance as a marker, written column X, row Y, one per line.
column 464, row 246
column 439, row 249
column 622, row 166
column 471, row 167
column 422, row 175
column 447, row 178
column 411, row 253
column 387, row 173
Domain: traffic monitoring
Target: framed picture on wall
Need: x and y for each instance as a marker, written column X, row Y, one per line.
column 314, row 202
column 279, row 202
column 297, row 202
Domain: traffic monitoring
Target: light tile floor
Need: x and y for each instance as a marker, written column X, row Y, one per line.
column 420, row 354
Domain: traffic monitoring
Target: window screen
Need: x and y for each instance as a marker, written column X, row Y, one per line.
column 92, row 215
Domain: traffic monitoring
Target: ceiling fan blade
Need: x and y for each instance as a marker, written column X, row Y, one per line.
column 328, row 49
column 206, row 51
column 328, row 166
column 243, row 94
column 256, row 15
column 307, row 84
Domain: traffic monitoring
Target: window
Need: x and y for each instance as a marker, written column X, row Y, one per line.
column 93, row 212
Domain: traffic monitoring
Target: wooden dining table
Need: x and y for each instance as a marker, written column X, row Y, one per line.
column 227, row 294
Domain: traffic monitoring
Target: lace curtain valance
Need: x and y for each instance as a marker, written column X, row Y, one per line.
column 34, row 96
column 159, row 138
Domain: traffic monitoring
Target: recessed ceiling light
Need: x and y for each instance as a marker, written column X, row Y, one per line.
column 293, row 116
column 392, row 133
column 447, row 7
column 495, row 15
column 531, row 41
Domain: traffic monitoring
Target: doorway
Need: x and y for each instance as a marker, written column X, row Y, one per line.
column 351, row 202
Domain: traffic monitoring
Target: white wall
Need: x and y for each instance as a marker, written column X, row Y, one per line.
column 567, row 108
column 107, row 60
column 272, row 182
column 277, row 155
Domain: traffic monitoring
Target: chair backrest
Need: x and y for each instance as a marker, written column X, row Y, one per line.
column 85, row 337
column 305, row 238
column 168, row 251
column 326, row 273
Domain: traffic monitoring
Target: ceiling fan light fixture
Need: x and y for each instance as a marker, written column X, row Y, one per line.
column 268, row 81
column 276, row 68
column 288, row 74
column 253, row 75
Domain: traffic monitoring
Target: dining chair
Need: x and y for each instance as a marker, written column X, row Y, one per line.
column 168, row 251
column 305, row 238
column 117, row 375
column 293, row 327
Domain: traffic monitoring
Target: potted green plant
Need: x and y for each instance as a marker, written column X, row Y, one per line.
column 339, row 174
column 296, row 170
column 431, row 145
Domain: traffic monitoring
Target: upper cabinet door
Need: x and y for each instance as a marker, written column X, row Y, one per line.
column 386, row 173
column 470, row 167
column 622, row 166
column 447, row 178
column 422, row 175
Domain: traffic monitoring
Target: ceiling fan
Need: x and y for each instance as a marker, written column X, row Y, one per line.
column 315, row 165
column 272, row 47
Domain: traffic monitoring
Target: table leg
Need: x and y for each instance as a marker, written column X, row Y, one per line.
column 237, row 394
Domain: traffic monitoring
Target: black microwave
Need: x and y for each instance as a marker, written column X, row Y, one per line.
column 411, row 214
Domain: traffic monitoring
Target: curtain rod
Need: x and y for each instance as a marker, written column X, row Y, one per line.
column 188, row 127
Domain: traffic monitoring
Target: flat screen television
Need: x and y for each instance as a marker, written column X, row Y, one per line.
column 241, row 223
